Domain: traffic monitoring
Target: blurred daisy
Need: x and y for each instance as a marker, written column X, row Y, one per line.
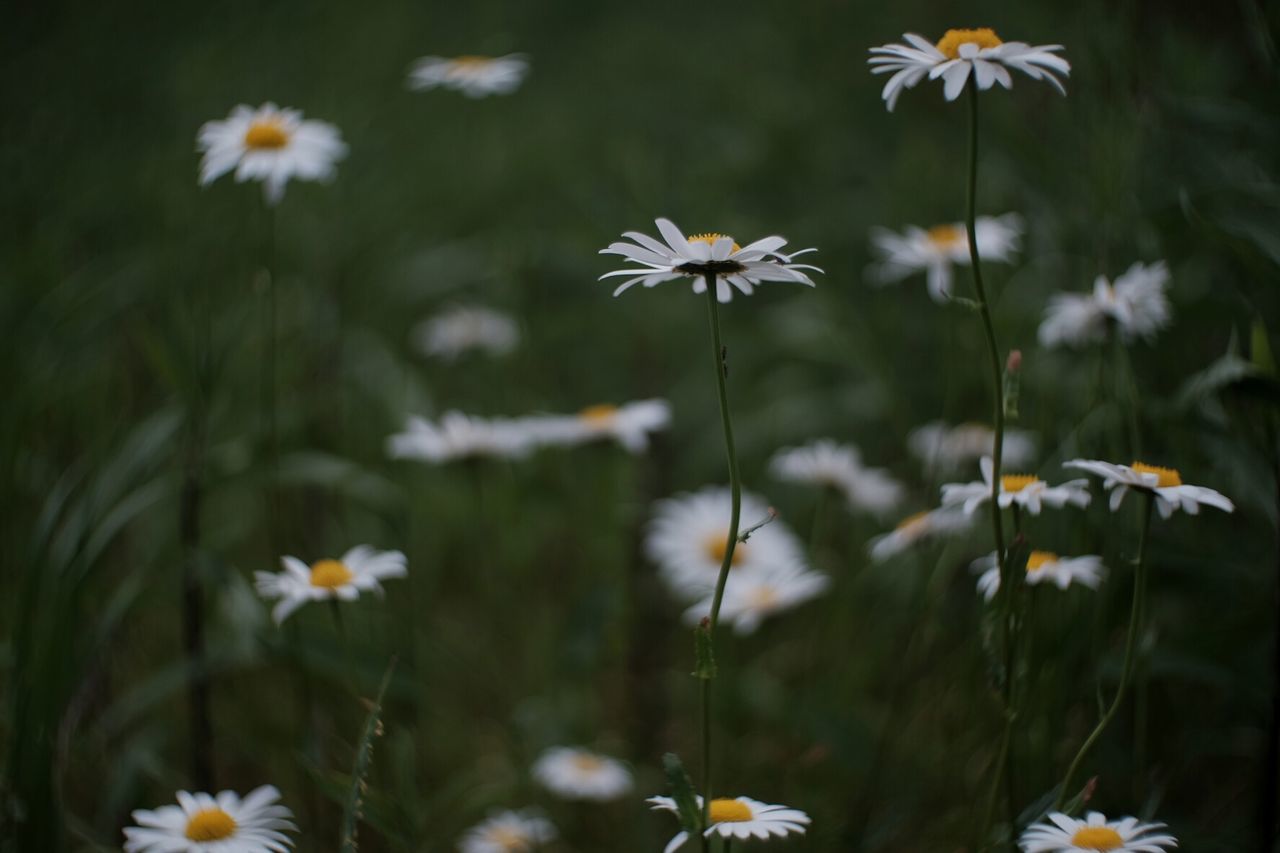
column 944, row 447
column 508, row 832
column 1164, row 483
column 1060, row 833
column 362, row 569
column 960, row 53
column 1042, row 567
column 629, row 424
column 917, row 527
column 705, row 254
column 202, row 823
column 473, row 76
column 458, row 330
column 839, row 466
column 1025, row 490
column 933, row 251
column 1135, row 304
column 739, row 817
column 752, row 597
column 271, row 145
column 580, row 774
column 459, row 436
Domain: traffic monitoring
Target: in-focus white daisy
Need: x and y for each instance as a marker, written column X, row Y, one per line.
column 1043, row 567
column 960, row 53
column 740, row 818
column 1136, row 305
column 945, row 448
column 1060, row 833
column 508, row 832
column 464, row 328
column 1026, row 490
column 933, row 251
column 271, row 145
column 473, row 76
column 459, row 436
column 824, row 462
column 696, row 257
column 1165, row 483
column 918, row 527
column 753, row 596
column 362, row 569
column 580, row 774
column 203, row 823
column 629, row 424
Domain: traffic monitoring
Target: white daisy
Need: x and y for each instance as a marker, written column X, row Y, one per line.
column 1026, row 490
column 580, row 774
column 1063, row 834
column 956, row 55
column 463, row 328
column 917, row 527
column 271, row 145
column 739, row 817
column 1043, row 567
column 839, row 466
column 459, row 436
column 943, row 447
column 753, row 596
column 1136, row 304
column 705, row 254
column 629, row 424
column 933, row 251
column 203, row 823
column 473, row 76
column 1165, row 483
column 508, row 832
column 362, row 569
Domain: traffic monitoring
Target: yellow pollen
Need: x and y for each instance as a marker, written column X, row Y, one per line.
column 1039, row 559
column 210, row 825
column 507, row 839
column 1017, row 482
column 913, row 520
column 599, row 414
column 710, row 238
column 729, row 811
column 945, row 236
column 715, row 545
column 587, row 763
column 1168, row 476
column 268, row 134
column 949, row 44
column 330, row 574
column 472, row 61
column 1097, row 838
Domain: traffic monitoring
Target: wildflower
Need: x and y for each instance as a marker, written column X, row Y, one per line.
column 473, row 76
column 362, row 569
column 508, row 832
column 739, row 817
column 933, row 251
column 1135, row 304
column 1164, row 483
column 945, row 447
column 580, row 774
column 839, row 466
column 458, row 330
column 1043, row 567
column 1025, row 490
column 203, row 823
column 628, row 424
column 705, row 254
column 1063, row 834
column 750, row 597
column 271, row 145
column 956, row 55
column 917, row 527
column 458, row 436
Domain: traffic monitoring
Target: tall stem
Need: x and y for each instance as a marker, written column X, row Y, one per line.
column 201, row 732
column 268, row 378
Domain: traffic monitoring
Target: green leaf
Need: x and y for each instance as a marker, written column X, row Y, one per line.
column 682, row 792
column 704, row 652
column 1260, row 349
column 351, row 807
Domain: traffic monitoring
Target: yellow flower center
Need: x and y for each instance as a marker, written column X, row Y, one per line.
column 729, row 811
column 587, row 763
column 1097, row 838
column 912, row 521
column 1017, row 482
column 1168, row 476
column 472, row 61
column 945, row 236
column 330, row 574
column 507, row 839
column 210, row 825
column 710, row 238
column 266, row 134
column 715, row 545
column 949, row 44
column 598, row 415
column 1039, row 559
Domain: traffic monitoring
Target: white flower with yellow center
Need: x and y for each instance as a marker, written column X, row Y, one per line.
column 946, row 448
column 629, row 424
column 459, row 436
column 1025, row 490
column 1164, row 483
column 839, row 466
column 508, row 832
column 750, row 597
column 933, row 251
column 1060, row 833
column 362, row 569
column 1043, row 567
column 203, row 823
column 473, row 76
column 958, row 54
column 916, row 528
column 464, row 328
column 701, row 255
column 271, row 145
column 739, row 817
column 580, row 774
column 1136, row 305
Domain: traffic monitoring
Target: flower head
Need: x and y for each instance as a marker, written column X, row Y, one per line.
column 1135, row 304
column 362, row 569
column 918, row 527
column 839, row 466
column 1060, row 833
column 934, row 250
column 204, row 823
column 629, row 424
column 1164, row 483
column 1042, row 567
column 271, row 145
column 1026, row 490
column 473, row 76
column 508, row 832
column 701, row 255
column 946, row 448
column 580, row 774
column 464, row 328
column 739, row 817
column 459, row 436
column 750, row 597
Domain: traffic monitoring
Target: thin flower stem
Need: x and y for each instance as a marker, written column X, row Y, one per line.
column 268, row 378
column 190, row 500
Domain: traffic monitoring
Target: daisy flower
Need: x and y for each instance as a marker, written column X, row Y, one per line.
column 1164, row 483
column 940, row 446
column 1025, row 490
column 458, row 330
column 701, row 255
column 1043, row 567
column 739, row 817
column 271, row 145
column 1136, row 304
column 629, row 424
column 580, row 774
column 1063, row 834
column 508, row 832
column 362, row 569
column 752, row 597
column 935, row 250
column 473, row 76
column 916, row 528
column 203, row 823
column 459, row 436
column 839, row 466
column 960, row 53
